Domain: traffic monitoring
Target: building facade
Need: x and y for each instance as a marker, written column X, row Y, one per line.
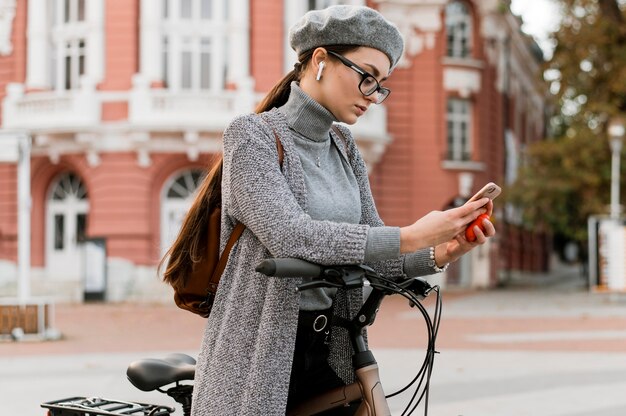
column 123, row 103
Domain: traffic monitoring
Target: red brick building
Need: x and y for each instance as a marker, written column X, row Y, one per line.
column 124, row 102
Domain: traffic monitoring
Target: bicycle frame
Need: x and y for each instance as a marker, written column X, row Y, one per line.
column 367, row 388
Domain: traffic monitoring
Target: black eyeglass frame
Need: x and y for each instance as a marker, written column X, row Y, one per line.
column 382, row 91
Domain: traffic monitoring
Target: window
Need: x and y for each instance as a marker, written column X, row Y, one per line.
column 176, row 200
column 185, row 185
column 195, row 35
column 59, row 232
column 458, row 29
column 68, row 43
column 69, row 186
column 459, row 118
column 66, row 224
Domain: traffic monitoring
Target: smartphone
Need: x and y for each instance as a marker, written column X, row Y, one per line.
column 491, row 191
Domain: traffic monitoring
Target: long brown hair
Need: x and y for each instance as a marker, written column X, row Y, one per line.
column 190, row 245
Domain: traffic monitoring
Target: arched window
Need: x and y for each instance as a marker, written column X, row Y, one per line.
column 458, row 29
column 177, row 196
column 66, row 224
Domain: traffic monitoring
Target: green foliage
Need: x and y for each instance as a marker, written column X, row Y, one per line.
column 566, row 179
column 562, row 183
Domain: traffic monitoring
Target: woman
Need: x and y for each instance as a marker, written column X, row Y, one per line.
column 260, row 353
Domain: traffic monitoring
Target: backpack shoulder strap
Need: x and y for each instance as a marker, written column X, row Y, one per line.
column 221, row 265
column 340, row 134
column 238, row 230
column 342, row 138
column 279, row 147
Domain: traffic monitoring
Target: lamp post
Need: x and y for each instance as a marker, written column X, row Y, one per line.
column 616, row 131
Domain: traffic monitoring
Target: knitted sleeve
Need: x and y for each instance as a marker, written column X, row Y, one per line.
column 413, row 264
column 261, row 198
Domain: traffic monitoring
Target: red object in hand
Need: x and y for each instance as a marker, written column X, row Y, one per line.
column 469, row 232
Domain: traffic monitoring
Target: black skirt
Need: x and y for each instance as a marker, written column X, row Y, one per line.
column 311, row 374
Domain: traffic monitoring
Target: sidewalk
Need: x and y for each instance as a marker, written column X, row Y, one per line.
column 527, row 349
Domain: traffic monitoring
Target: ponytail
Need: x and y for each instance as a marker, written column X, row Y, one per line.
column 278, row 95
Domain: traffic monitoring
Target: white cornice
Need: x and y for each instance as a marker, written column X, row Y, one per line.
column 99, row 141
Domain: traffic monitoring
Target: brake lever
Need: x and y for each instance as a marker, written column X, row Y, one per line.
column 347, row 277
column 315, row 284
column 419, row 287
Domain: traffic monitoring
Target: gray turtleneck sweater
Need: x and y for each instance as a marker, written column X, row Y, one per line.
column 333, row 193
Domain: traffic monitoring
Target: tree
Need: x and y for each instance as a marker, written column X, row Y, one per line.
column 566, row 178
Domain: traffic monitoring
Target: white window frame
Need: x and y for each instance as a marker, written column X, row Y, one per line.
column 68, row 41
column 51, row 40
column 66, row 74
column 459, row 27
column 64, row 261
column 234, row 60
column 459, row 129
column 196, row 36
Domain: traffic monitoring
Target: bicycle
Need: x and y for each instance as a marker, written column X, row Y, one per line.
column 366, row 393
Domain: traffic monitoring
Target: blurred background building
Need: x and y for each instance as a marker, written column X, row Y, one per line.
column 124, row 102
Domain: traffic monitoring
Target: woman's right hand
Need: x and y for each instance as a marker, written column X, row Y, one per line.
column 437, row 227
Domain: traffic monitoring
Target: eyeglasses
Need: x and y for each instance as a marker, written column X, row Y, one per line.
column 368, row 85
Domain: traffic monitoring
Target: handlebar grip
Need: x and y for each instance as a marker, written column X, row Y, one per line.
column 285, row 267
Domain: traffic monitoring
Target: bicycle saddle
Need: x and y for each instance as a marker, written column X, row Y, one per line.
column 151, row 373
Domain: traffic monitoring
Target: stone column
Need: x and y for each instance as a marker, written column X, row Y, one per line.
column 150, row 65
column 239, row 44
column 95, row 40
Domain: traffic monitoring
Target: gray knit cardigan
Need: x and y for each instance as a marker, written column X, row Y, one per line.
column 245, row 360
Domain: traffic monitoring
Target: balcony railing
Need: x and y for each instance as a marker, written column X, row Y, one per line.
column 162, row 108
column 65, row 110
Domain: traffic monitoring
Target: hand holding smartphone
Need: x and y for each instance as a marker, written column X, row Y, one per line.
column 491, row 191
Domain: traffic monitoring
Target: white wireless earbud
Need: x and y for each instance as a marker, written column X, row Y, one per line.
column 319, row 71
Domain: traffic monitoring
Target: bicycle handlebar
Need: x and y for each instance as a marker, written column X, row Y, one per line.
column 287, row 267
column 348, row 276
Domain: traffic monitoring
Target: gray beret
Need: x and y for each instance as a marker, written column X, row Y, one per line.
column 347, row 25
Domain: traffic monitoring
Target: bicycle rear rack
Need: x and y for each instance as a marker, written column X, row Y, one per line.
column 92, row 406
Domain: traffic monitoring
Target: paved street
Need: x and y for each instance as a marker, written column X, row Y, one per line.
column 551, row 349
